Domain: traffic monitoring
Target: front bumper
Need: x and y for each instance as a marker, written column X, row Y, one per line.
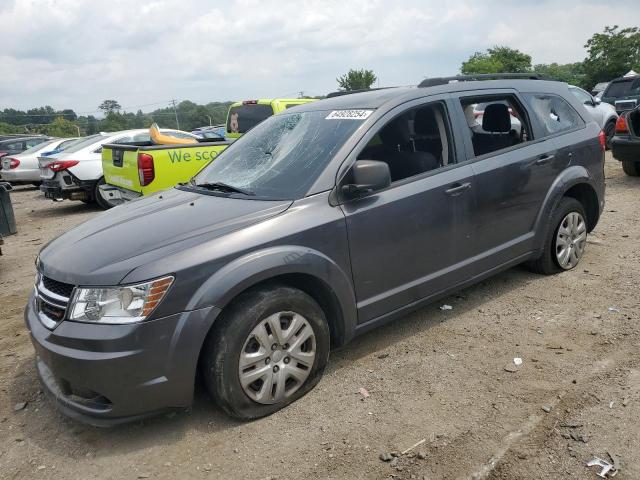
column 65, row 186
column 109, row 374
column 626, row 149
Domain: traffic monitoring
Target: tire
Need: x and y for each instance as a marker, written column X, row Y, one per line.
column 609, row 132
column 631, row 168
column 102, row 202
column 548, row 263
column 233, row 338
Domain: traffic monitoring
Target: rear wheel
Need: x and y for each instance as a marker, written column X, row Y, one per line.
column 101, row 198
column 269, row 348
column 631, row 168
column 609, row 132
column 566, row 239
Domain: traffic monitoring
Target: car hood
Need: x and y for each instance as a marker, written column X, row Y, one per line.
column 104, row 249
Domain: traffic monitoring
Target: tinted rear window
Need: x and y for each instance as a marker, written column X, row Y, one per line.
column 244, row 117
column 623, row 88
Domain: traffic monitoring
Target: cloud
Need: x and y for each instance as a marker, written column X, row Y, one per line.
column 73, row 53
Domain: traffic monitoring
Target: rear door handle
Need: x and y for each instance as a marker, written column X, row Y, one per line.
column 457, row 189
column 544, row 159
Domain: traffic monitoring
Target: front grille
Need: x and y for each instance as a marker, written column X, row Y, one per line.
column 59, row 288
column 52, row 299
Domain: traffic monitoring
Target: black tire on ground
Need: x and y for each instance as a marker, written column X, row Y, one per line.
column 631, row 168
column 547, row 263
column 609, row 131
column 97, row 196
column 36, row 184
column 222, row 348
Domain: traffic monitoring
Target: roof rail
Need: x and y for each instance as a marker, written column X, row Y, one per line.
column 432, row 82
column 339, row 93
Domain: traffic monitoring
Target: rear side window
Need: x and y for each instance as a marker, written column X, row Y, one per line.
column 35, row 141
column 495, row 122
column 244, row 117
column 554, row 113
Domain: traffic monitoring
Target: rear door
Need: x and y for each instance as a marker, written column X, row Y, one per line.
column 513, row 172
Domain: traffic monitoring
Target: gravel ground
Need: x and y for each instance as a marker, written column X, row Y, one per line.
column 438, row 376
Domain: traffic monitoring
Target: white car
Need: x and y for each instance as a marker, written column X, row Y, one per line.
column 76, row 173
column 603, row 113
column 23, row 167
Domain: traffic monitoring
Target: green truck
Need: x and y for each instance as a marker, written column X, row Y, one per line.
column 137, row 169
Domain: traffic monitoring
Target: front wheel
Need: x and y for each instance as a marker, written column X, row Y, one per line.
column 631, row 168
column 566, row 239
column 269, row 348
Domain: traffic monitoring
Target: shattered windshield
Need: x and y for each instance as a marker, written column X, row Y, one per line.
column 280, row 158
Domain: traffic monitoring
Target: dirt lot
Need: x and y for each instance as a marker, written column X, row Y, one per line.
column 434, row 375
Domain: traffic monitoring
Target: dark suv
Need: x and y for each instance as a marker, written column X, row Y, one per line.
column 319, row 224
column 623, row 93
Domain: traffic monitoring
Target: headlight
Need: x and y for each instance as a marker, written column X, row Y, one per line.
column 117, row 305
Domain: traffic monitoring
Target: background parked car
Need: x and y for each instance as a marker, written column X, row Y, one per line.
column 599, row 88
column 15, row 145
column 23, row 167
column 603, row 113
column 624, row 92
column 76, row 173
column 625, row 145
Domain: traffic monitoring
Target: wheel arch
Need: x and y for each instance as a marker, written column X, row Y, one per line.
column 574, row 182
column 299, row 267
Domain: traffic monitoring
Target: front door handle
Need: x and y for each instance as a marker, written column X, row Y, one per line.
column 544, row 159
column 457, row 189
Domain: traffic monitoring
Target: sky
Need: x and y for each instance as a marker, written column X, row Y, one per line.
column 76, row 53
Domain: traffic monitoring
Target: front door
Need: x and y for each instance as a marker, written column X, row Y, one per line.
column 410, row 240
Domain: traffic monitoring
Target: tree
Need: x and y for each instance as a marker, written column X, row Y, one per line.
column 612, row 53
column 571, row 73
column 356, row 80
column 113, row 122
column 498, row 59
column 61, row 127
column 110, row 106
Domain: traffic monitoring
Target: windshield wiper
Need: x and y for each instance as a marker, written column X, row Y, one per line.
column 222, row 187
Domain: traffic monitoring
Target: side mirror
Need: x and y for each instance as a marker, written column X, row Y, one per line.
column 597, row 100
column 367, row 176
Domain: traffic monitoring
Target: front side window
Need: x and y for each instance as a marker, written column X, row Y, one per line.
column 415, row 142
column 554, row 113
column 281, row 157
column 495, row 123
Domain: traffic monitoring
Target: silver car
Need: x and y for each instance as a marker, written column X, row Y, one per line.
column 603, row 113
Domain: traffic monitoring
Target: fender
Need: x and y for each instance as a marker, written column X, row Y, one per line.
column 568, row 178
column 261, row 265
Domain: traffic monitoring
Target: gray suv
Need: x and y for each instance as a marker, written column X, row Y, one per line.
column 319, row 224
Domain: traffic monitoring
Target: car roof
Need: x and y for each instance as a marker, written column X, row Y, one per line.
column 391, row 96
column 26, row 137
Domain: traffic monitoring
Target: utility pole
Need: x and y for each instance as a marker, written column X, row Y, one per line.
column 300, row 94
column 78, row 129
column 209, row 117
column 175, row 111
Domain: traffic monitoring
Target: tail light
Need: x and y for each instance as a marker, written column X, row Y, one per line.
column 621, row 124
column 603, row 140
column 250, row 102
column 60, row 165
column 13, row 162
column 146, row 169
